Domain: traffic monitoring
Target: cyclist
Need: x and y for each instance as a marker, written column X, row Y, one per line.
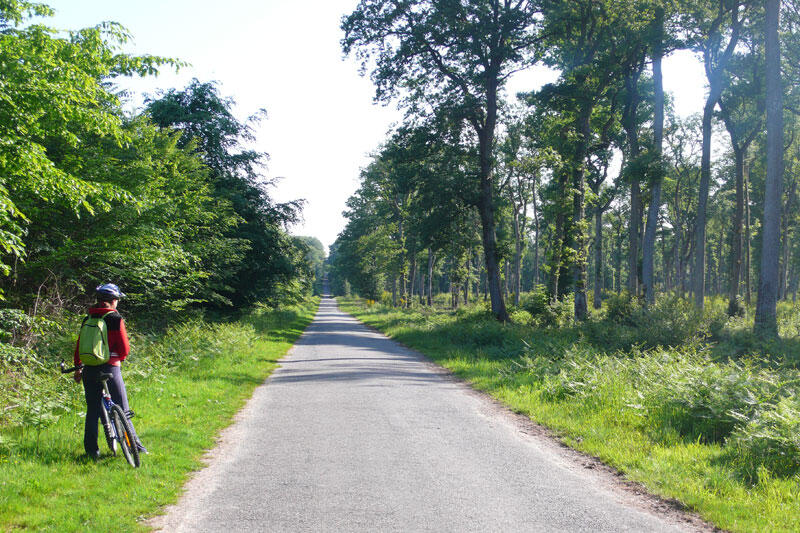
column 108, row 296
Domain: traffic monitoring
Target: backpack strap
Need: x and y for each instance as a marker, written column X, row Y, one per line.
column 83, row 323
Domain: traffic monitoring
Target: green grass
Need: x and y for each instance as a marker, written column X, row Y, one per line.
column 663, row 416
column 184, row 385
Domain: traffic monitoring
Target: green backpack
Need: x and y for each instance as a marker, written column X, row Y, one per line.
column 93, row 341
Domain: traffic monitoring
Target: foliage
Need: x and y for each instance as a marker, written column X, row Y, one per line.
column 315, row 258
column 770, row 440
column 543, row 311
column 54, row 98
column 89, row 193
column 270, row 259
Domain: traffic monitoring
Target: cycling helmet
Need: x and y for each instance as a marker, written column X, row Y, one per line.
column 108, row 291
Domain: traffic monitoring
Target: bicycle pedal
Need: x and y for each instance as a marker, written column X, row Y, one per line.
column 130, row 414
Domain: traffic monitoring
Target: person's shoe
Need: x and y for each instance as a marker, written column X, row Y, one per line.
column 95, row 455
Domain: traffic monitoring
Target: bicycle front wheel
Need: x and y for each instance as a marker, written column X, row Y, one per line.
column 125, row 436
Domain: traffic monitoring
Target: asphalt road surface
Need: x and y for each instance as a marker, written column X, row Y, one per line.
column 356, row 433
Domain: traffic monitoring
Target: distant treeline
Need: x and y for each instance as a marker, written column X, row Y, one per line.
column 169, row 202
column 479, row 192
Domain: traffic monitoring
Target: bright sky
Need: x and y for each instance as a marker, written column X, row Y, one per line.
column 285, row 56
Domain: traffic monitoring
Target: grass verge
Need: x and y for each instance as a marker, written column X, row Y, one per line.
column 676, row 420
column 185, row 386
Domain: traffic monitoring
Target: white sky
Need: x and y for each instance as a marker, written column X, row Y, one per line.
column 284, row 56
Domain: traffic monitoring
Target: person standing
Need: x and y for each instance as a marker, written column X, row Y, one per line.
column 105, row 309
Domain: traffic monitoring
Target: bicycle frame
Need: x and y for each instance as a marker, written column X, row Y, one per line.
column 113, row 437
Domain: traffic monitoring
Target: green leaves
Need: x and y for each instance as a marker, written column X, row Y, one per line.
column 264, row 261
column 55, row 100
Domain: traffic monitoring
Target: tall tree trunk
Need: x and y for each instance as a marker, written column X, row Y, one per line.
column 598, row 257
column 431, row 260
column 412, row 278
column 785, row 241
column 517, row 258
column 579, row 212
column 486, row 204
column 736, row 238
column 476, row 267
column 394, row 291
column 715, row 75
column 649, row 243
column 632, row 133
column 535, row 244
column 403, row 286
column 699, row 270
column 466, row 281
column 618, row 262
column 559, row 235
column 748, row 295
column 506, row 276
column 766, row 305
column 720, row 271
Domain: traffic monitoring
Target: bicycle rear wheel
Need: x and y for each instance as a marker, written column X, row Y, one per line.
column 125, row 436
column 108, row 431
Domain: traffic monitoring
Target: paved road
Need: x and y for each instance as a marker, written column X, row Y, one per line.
column 355, row 433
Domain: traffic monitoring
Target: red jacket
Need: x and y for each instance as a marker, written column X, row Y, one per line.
column 117, row 336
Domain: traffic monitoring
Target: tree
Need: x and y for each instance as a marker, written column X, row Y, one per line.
column 520, row 167
column 455, row 56
column 53, row 91
column 595, row 44
column 206, row 122
column 315, row 258
column 649, row 240
column 716, row 26
column 741, row 108
column 164, row 241
column 766, row 304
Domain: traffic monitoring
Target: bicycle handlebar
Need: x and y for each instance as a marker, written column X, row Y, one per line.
column 68, row 370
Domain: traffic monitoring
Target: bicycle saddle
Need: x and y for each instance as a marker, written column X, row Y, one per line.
column 105, row 376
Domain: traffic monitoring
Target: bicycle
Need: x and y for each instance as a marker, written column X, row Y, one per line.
column 116, row 425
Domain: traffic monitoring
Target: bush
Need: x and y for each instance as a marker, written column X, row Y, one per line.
column 771, row 438
column 671, row 321
column 520, row 316
column 386, row 298
column 543, row 312
column 581, row 373
column 701, row 399
column 736, row 308
column 620, row 308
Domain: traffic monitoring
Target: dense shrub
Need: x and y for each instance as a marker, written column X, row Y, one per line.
column 671, row 321
column 620, row 308
column 33, row 394
column 543, row 312
column 771, row 438
column 698, row 398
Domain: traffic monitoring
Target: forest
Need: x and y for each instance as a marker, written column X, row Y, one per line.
column 624, row 275
column 168, row 200
column 588, row 186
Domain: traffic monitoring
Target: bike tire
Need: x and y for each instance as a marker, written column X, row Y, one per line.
column 107, row 430
column 125, row 436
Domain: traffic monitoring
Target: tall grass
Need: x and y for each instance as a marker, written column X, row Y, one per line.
column 691, row 404
column 184, row 383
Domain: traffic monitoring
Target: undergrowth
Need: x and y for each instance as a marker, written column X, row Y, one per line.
column 184, row 382
column 690, row 403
